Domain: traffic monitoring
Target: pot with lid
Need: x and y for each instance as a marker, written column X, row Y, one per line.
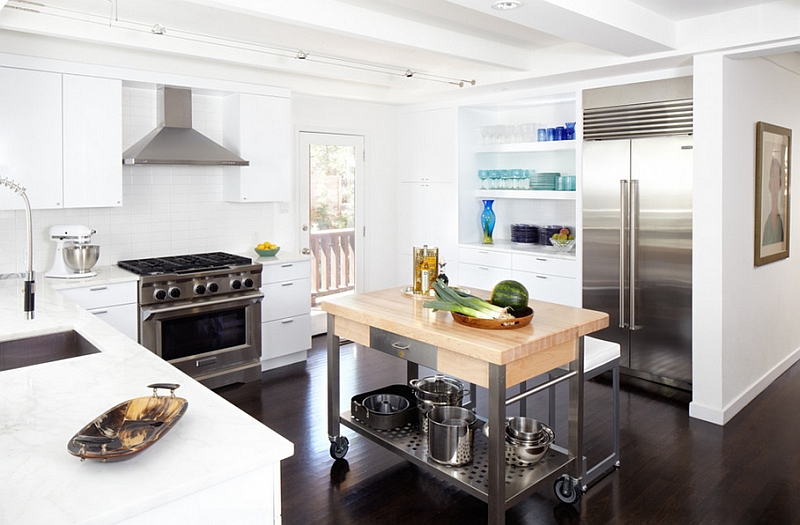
column 434, row 391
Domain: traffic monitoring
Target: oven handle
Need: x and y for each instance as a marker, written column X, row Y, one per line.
column 252, row 297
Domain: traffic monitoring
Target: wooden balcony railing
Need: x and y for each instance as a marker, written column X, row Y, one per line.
column 333, row 268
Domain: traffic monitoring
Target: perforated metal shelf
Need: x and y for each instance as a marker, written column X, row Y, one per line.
column 411, row 444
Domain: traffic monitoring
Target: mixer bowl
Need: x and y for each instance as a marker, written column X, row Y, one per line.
column 81, row 257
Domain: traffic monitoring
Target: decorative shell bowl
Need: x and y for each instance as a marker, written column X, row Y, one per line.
column 523, row 318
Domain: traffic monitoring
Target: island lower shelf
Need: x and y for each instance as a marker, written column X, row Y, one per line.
column 411, row 444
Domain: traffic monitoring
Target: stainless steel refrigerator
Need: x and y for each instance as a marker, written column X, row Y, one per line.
column 637, row 251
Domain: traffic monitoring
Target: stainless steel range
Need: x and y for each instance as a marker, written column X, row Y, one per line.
column 202, row 313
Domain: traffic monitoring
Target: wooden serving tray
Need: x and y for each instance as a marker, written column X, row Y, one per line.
column 524, row 319
column 129, row 427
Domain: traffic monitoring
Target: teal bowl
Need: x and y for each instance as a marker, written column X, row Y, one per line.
column 268, row 253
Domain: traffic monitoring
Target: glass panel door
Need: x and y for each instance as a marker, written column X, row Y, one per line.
column 331, row 166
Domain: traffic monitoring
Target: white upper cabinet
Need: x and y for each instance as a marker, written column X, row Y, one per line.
column 61, row 139
column 428, row 142
column 92, row 141
column 258, row 129
column 30, row 137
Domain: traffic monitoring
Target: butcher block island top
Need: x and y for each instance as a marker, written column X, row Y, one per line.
column 548, row 342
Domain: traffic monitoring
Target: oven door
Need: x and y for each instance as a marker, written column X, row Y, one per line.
column 216, row 341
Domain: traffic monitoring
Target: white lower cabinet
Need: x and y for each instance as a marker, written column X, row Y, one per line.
column 285, row 312
column 114, row 303
column 551, row 279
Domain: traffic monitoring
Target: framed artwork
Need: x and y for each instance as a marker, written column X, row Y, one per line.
column 773, row 167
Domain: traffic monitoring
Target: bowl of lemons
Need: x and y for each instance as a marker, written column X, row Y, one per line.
column 267, row 249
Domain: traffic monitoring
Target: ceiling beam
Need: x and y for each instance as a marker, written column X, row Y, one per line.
column 370, row 25
column 618, row 26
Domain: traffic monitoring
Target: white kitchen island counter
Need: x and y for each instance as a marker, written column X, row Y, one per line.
column 217, row 465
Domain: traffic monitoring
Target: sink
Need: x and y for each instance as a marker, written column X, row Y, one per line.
column 39, row 349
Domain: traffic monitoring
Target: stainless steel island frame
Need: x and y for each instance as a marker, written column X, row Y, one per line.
column 393, row 323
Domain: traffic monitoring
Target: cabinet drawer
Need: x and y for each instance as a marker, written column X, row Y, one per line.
column 272, row 273
column 123, row 317
column 102, row 295
column 545, row 265
column 482, row 277
column 285, row 336
column 550, row 288
column 485, row 257
column 285, row 299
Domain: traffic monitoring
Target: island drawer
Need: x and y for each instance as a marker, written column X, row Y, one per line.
column 403, row 347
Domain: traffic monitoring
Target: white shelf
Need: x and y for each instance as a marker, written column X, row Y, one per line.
column 526, row 147
column 526, row 194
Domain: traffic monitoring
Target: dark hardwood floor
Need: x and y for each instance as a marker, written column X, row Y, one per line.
column 675, row 470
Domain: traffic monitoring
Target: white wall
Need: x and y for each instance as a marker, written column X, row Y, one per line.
column 378, row 124
column 745, row 328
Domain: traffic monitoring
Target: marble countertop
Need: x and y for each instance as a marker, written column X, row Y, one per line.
column 43, row 406
column 105, row 275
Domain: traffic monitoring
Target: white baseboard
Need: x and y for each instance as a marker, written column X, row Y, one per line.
column 720, row 416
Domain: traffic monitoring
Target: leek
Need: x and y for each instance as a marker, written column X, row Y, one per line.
column 464, row 303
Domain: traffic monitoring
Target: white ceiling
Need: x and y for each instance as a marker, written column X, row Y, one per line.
column 402, row 50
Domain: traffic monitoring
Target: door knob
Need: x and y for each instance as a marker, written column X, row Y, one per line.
column 305, row 227
column 306, row 251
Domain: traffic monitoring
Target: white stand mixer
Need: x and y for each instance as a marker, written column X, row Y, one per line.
column 67, row 236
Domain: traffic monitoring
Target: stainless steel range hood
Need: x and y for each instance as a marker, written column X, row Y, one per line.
column 175, row 142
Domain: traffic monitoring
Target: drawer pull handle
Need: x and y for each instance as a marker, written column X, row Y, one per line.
column 541, row 259
column 98, row 312
column 287, row 321
column 483, row 252
column 286, row 265
column 483, row 268
column 98, row 288
column 287, row 284
column 541, row 277
column 400, row 346
column 206, row 361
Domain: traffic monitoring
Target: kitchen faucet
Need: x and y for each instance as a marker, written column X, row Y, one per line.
column 29, row 278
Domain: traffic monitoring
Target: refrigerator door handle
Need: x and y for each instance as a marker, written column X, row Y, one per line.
column 623, row 256
column 634, row 244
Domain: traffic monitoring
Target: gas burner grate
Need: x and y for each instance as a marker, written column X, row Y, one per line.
column 181, row 264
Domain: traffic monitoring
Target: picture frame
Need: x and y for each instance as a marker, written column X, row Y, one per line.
column 772, row 196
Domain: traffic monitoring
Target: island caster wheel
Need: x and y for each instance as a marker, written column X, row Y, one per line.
column 339, row 447
column 567, row 490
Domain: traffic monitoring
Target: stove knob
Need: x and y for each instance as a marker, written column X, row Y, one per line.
column 174, row 292
column 199, row 289
column 213, row 287
column 160, row 295
column 248, row 283
column 236, row 284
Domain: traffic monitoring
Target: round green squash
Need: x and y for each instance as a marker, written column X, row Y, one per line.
column 511, row 294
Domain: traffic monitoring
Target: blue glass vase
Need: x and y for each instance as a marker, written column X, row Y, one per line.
column 487, row 221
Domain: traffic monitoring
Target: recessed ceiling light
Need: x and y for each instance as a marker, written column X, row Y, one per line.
column 506, row 5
